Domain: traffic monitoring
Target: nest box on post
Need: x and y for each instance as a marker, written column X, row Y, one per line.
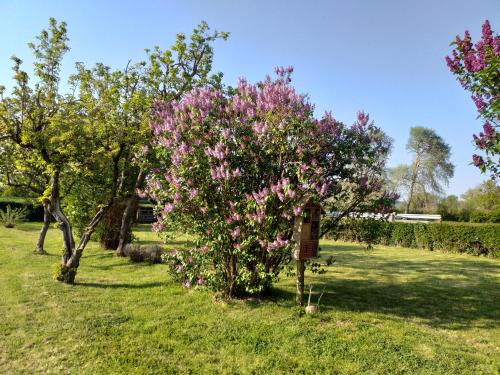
column 306, row 232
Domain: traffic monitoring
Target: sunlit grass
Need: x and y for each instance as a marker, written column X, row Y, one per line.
column 390, row 310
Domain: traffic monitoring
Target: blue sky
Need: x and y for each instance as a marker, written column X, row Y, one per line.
column 385, row 57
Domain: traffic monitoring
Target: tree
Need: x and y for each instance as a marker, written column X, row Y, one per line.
column 116, row 106
column 397, row 180
column 425, row 202
column 484, row 198
column 87, row 144
column 39, row 122
column 55, row 129
column 167, row 76
column 235, row 168
column 27, row 174
column 123, row 101
column 451, row 208
column 431, row 166
column 477, row 68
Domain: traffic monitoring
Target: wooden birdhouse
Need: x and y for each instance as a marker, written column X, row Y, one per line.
column 306, row 232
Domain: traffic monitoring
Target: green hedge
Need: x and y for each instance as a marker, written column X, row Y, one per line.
column 476, row 239
column 34, row 211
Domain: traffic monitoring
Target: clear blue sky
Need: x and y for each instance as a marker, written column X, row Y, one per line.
column 386, row 57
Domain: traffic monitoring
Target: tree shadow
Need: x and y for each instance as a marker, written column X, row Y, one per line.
column 109, row 267
column 122, row 285
column 47, row 254
column 451, row 294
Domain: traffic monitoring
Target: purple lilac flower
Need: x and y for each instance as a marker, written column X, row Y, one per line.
column 168, row 208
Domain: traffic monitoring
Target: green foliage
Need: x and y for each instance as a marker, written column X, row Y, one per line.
column 186, row 266
column 403, row 235
column 11, row 216
column 475, row 239
column 315, row 267
column 480, row 204
column 431, row 165
column 64, row 273
column 486, row 196
column 452, row 209
column 485, row 216
column 118, row 106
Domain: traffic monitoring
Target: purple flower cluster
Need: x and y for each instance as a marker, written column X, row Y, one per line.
column 477, row 160
column 487, row 138
column 278, row 243
column 235, row 169
column 477, row 67
column 473, row 58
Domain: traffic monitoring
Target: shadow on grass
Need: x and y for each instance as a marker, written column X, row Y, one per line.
column 451, row 294
column 456, row 293
column 47, row 254
column 109, row 267
column 122, row 285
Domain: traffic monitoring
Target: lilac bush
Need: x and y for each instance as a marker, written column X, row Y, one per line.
column 235, row 168
column 477, row 67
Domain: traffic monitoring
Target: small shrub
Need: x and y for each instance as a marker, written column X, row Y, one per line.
column 152, row 253
column 149, row 253
column 33, row 212
column 133, row 251
column 11, row 216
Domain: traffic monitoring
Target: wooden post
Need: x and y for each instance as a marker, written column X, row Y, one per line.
column 301, row 265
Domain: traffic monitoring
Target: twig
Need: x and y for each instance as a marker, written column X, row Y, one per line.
column 309, row 299
column 321, row 295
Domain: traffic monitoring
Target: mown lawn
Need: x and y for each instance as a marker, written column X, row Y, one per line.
column 386, row 311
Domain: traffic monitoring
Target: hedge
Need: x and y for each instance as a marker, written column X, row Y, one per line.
column 34, row 211
column 475, row 239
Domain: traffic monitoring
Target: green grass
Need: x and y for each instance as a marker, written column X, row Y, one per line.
column 386, row 311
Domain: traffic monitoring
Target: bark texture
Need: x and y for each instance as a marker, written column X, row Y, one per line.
column 129, row 214
column 43, row 231
column 64, row 225
column 413, row 182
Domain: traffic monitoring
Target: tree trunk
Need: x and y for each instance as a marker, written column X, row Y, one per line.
column 301, row 266
column 128, row 215
column 74, row 261
column 54, row 208
column 71, row 257
column 416, row 166
column 45, row 227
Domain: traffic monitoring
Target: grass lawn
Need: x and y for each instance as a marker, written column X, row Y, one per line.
column 386, row 311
